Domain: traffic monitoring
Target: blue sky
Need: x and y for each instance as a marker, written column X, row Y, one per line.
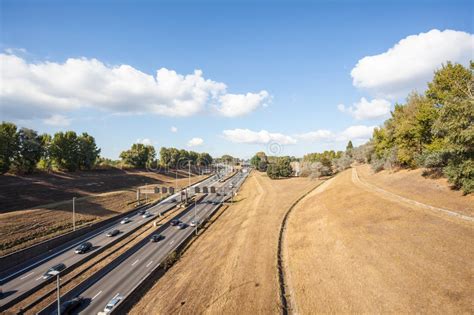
column 294, row 58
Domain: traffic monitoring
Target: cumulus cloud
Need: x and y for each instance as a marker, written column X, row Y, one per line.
column 410, row 63
column 256, row 137
column 145, row 141
column 194, row 142
column 318, row 135
column 33, row 89
column 364, row 109
column 174, row 129
column 360, row 132
column 57, row 121
column 232, row 105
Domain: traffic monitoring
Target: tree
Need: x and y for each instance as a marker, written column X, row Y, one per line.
column 262, row 166
column 255, row 161
column 280, row 168
column 204, row 159
column 8, row 145
column 139, row 155
column 349, row 148
column 64, row 150
column 29, row 150
column 45, row 162
column 87, row 151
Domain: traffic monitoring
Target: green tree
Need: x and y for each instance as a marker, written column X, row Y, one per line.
column 87, row 151
column 139, row 155
column 45, row 162
column 64, row 150
column 8, row 145
column 29, row 151
column 255, row 161
column 349, row 148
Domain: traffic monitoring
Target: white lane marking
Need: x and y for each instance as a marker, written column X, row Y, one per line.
column 135, row 262
column 116, row 295
column 24, row 277
column 96, row 295
column 148, row 265
column 38, row 278
column 171, row 243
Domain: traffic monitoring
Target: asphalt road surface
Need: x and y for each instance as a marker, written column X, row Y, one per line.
column 30, row 277
column 130, row 272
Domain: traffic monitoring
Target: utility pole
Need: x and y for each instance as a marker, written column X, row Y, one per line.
column 73, row 213
column 195, row 221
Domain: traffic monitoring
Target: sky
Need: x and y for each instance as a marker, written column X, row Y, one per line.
column 224, row 77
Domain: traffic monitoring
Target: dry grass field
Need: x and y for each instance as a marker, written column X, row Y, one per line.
column 22, row 228
column 350, row 249
column 231, row 268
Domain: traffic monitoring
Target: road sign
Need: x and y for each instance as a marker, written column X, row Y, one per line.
column 197, row 190
column 205, row 190
column 171, row 189
column 164, row 190
column 213, row 190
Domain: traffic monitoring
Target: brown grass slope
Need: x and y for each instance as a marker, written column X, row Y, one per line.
column 348, row 249
column 232, row 266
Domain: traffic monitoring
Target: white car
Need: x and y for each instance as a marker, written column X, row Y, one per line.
column 125, row 220
column 146, row 215
column 112, row 303
column 194, row 223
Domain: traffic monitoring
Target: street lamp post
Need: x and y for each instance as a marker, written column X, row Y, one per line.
column 195, row 221
column 73, row 213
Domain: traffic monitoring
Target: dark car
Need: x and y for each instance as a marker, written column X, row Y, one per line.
column 84, row 247
column 174, row 222
column 69, row 306
column 53, row 270
column 182, row 226
column 112, row 233
column 156, row 238
column 142, row 211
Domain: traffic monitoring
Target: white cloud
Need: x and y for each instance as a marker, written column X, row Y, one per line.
column 194, row 142
column 356, row 132
column 57, row 120
column 174, row 129
column 318, row 135
column 232, row 105
column 256, row 137
column 29, row 90
column 145, row 141
column 13, row 51
column 410, row 63
column 364, row 109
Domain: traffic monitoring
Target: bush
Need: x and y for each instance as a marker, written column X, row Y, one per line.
column 461, row 175
column 377, row 164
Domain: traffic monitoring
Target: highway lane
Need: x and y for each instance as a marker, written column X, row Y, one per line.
column 31, row 277
column 130, row 272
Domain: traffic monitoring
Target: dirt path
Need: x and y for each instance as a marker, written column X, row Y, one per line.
column 352, row 250
column 387, row 194
column 231, row 268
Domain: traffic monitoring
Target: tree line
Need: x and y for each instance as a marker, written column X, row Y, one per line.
column 24, row 150
column 433, row 130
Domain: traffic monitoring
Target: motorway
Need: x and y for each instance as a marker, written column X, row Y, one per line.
column 121, row 280
column 25, row 281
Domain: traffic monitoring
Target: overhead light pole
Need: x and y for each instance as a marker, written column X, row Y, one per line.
column 73, row 213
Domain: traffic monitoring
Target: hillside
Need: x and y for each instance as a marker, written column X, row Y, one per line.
column 351, row 247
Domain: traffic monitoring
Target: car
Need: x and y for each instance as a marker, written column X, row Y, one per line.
column 54, row 270
column 112, row 303
column 141, row 211
column 194, row 223
column 173, row 200
column 215, row 202
column 156, row 237
column 112, row 233
column 69, row 306
column 146, row 215
column 174, row 222
column 83, row 248
column 182, row 226
column 125, row 220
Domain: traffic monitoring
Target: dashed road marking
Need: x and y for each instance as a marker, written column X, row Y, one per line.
column 26, row 276
column 148, row 265
column 96, row 295
column 38, row 278
column 135, row 262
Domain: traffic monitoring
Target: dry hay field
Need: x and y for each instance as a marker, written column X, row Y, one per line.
column 371, row 243
column 231, row 268
column 21, row 228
